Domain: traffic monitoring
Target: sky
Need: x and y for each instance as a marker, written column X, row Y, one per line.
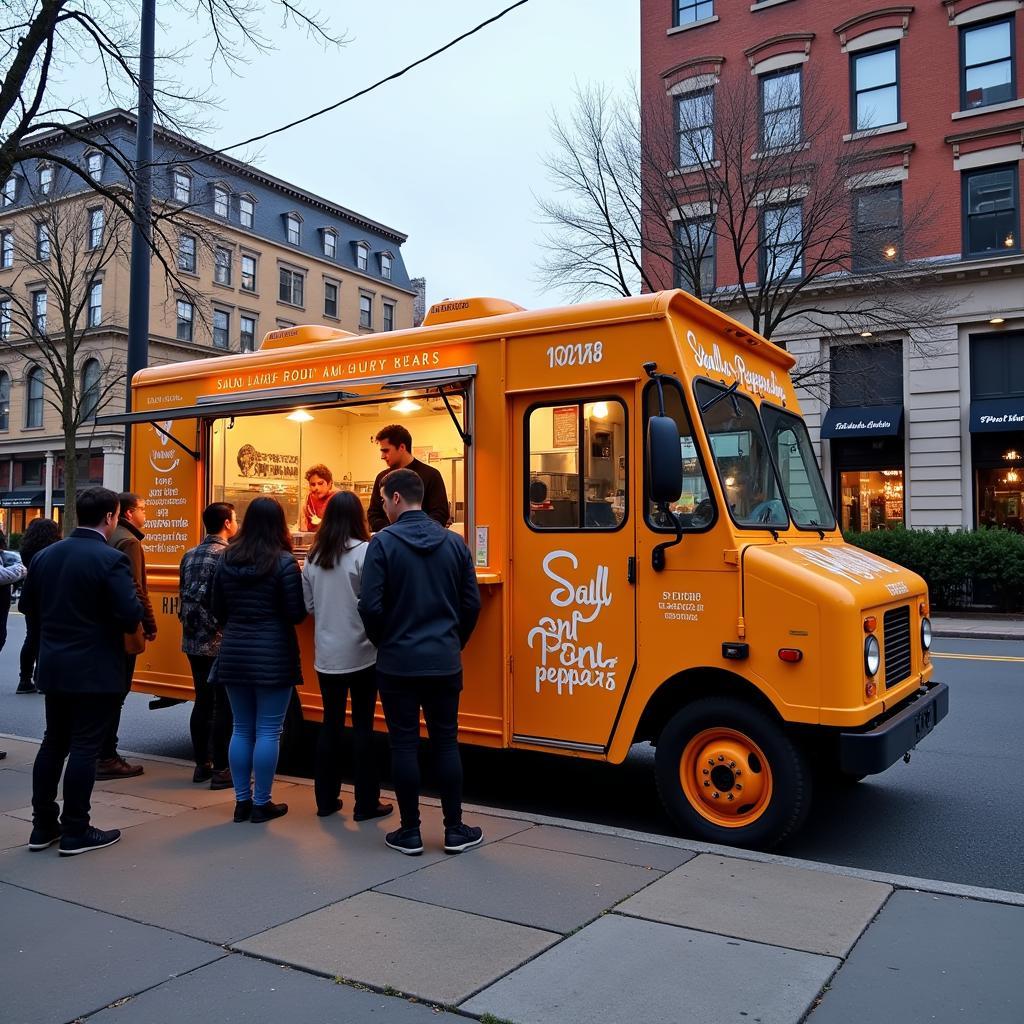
column 452, row 153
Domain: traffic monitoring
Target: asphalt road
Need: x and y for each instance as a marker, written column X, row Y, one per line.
column 954, row 813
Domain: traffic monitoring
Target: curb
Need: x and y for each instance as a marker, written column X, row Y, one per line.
column 963, row 634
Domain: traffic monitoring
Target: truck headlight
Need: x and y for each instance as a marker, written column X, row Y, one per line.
column 872, row 655
column 926, row 634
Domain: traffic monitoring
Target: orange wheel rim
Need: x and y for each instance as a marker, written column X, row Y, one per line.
column 726, row 777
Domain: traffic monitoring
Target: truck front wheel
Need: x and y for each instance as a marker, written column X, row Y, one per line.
column 728, row 773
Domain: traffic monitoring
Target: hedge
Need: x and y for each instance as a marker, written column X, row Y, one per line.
column 962, row 568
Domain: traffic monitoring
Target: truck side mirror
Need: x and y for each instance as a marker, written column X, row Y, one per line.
column 664, row 461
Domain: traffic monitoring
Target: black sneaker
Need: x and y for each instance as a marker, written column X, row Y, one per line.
column 43, row 838
column 382, row 810
column 203, row 773
column 90, row 839
column 26, row 686
column 267, row 812
column 405, row 840
column 221, row 779
column 243, row 810
column 462, row 837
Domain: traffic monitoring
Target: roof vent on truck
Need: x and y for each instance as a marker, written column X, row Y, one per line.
column 451, row 311
column 307, row 334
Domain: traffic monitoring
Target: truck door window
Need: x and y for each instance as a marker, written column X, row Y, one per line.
column 798, row 469
column 742, row 458
column 695, row 509
column 577, row 463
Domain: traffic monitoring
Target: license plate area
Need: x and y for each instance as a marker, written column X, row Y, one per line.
column 924, row 720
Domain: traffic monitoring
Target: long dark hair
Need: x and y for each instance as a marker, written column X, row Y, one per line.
column 344, row 522
column 261, row 538
column 39, row 534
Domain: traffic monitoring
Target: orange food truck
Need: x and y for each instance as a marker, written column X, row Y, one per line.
column 656, row 552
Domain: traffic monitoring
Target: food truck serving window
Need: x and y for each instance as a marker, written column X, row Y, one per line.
column 742, row 457
column 576, row 468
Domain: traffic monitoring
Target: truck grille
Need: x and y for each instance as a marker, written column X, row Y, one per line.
column 896, row 636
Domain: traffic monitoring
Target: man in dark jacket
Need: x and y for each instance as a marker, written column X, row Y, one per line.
column 127, row 538
column 396, row 450
column 419, row 602
column 81, row 601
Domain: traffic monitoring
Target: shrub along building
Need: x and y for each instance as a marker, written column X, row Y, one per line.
column 242, row 253
column 917, row 421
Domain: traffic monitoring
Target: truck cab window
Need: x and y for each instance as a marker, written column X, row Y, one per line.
column 742, row 458
column 576, row 476
column 798, row 469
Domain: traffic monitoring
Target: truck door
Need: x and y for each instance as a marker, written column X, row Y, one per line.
column 573, row 627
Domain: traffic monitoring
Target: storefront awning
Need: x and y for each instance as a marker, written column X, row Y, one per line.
column 30, row 499
column 863, row 421
column 997, row 414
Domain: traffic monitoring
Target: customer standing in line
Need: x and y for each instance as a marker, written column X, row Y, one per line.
column 12, row 570
column 419, row 601
column 345, row 658
column 127, row 538
column 39, row 534
column 257, row 600
column 210, row 722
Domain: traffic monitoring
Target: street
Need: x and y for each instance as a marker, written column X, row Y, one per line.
column 953, row 813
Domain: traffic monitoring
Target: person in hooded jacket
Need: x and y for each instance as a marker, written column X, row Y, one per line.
column 419, row 602
column 257, row 600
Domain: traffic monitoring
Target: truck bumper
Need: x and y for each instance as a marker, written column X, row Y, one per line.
column 867, row 753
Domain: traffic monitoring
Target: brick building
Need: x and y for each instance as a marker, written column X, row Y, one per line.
column 252, row 254
column 921, row 428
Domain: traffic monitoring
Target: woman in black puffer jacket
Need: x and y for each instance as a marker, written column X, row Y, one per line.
column 257, row 599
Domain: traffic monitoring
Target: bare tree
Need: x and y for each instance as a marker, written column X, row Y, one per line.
column 55, row 321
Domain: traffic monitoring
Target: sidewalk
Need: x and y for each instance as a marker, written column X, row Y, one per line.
column 979, row 627
column 308, row 920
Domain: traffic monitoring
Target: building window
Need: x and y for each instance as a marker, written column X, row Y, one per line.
column 389, row 316
column 221, row 329
column 330, row 299
column 695, row 256
column 782, row 242
column 45, row 179
column 42, row 242
column 689, row 11
column 986, row 64
column 222, row 266
column 94, row 166
column 6, row 250
column 185, row 317
column 248, row 273
column 330, row 244
column 291, row 285
column 247, row 333
column 385, row 265
column 5, row 319
column 877, row 226
column 90, row 390
column 182, row 187
column 293, row 229
column 39, row 311
column 695, row 117
column 780, row 109
column 876, row 96
column 362, row 254
column 991, row 211
column 246, row 212
column 5, row 401
column 96, row 304
column 34, row 397
column 187, row 253
column 10, row 190
column 220, row 201
column 97, row 221
column 365, row 311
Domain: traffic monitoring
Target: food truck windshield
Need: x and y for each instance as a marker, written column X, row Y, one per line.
column 271, row 453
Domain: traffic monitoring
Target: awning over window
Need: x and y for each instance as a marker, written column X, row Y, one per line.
column 22, row 499
column 863, row 421
column 997, row 414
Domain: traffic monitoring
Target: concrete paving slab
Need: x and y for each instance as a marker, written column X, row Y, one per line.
column 20, row 754
column 172, row 783
column 240, row 990
column 13, row 832
column 14, row 786
column 932, row 958
column 203, row 875
column 604, row 847
column 60, row 962
column 430, row 952
column 794, row 907
column 102, row 815
column 623, row 969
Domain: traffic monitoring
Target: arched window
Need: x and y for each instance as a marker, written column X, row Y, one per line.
column 5, row 401
column 34, row 397
column 90, row 389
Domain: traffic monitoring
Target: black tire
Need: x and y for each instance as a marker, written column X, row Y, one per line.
column 784, row 809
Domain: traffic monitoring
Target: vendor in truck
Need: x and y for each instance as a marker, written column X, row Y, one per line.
column 321, row 489
column 396, row 450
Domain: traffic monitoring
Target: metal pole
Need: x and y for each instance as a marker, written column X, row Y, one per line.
column 138, row 303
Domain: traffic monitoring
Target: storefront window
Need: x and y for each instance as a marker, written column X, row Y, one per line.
column 1000, row 488
column 871, row 499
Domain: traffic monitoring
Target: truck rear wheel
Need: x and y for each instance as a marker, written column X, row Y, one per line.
column 728, row 773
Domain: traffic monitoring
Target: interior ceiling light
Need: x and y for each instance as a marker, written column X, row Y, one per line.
column 406, row 406
column 889, row 252
column 1010, row 240
column 866, row 334
column 600, row 410
column 299, row 416
column 997, row 320
column 1012, row 455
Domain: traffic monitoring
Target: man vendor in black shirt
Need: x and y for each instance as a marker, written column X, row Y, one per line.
column 396, row 451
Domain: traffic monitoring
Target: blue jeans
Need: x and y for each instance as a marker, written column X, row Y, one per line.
column 256, row 738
